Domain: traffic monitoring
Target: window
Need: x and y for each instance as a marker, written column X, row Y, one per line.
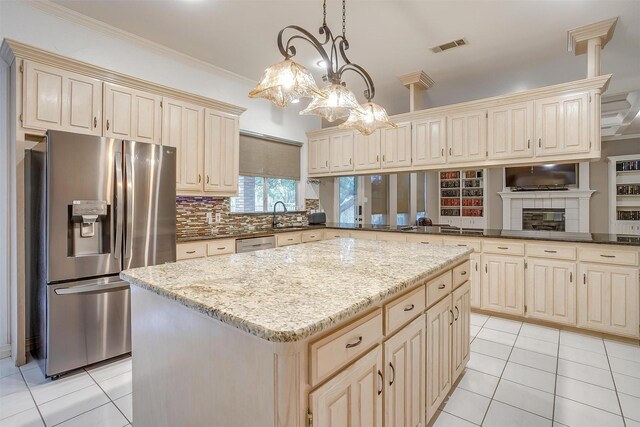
column 258, row 194
column 379, row 199
column 347, row 198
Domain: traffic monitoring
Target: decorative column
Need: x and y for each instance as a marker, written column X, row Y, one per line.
column 591, row 39
column 417, row 82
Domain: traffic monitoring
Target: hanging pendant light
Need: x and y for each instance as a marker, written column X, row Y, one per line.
column 287, row 81
column 337, row 102
column 372, row 118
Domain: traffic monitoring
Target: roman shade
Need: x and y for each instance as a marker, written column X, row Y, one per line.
column 404, row 186
column 269, row 157
column 379, row 194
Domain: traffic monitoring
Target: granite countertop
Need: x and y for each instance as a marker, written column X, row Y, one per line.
column 602, row 238
column 290, row 293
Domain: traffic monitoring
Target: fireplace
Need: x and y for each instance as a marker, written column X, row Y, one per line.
column 543, row 219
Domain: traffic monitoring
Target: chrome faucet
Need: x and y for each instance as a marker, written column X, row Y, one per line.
column 274, row 223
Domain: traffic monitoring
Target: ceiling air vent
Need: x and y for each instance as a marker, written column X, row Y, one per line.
column 450, row 45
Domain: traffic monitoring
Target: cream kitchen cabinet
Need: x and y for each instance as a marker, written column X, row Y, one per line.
column 562, row 125
column 183, row 128
column 503, row 284
column 510, row 131
column 221, row 150
column 341, row 151
column 404, row 358
column 132, row 114
column 475, row 280
column 318, row 155
column 608, row 299
column 550, row 291
column 61, row 100
column 353, row 397
column 429, row 141
column 439, row 321
column 367, row 151
column 467, row 137
column 396, row 146
column 460, row 330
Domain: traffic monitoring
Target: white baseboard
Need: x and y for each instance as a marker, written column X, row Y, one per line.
column 5, row 351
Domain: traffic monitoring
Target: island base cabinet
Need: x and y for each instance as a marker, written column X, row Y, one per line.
column 503, row 284
column 550, row 290
column 404, row 358
column 439, row 321
column 608, row 299
column 353, row 397
column 460, row 330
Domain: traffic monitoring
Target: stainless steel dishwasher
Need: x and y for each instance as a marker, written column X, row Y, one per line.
column 255, row 244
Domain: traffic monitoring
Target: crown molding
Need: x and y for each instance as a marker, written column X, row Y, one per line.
column 69, row 15
column 11, row 50
column 418, row 78
column 577, row 38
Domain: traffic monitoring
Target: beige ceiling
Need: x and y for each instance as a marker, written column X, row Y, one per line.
column 513, row 44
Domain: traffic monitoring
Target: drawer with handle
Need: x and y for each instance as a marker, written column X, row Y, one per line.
column 403, row 309
column 424, row 239
column 191, row 250
column 474, row 244
column 503, row 248
column 438, row 288
column 287, row 239
column 335, row 234
column 311, row 236
column 551, row 251
column 461, row 274
column 340, row 347
column 608, row 256
column 221, row 247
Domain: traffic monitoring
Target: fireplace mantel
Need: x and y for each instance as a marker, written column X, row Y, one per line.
column 559, row 194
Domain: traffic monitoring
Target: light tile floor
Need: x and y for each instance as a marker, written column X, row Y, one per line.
column 99, row 395
column 527, row 375
column 519, row 375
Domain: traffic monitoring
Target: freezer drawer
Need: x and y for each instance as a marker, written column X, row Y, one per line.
column 87, row 322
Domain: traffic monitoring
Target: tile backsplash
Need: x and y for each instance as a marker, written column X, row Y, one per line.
column 191, row 213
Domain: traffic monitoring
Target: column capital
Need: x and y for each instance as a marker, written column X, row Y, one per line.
column 578, row 38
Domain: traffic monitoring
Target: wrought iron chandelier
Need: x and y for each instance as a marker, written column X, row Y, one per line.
column 288, row 81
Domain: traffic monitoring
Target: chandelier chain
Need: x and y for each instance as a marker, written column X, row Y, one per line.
column 344, row 19
column 324, row 13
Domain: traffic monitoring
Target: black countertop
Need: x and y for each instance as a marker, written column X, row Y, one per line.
column 602, row 238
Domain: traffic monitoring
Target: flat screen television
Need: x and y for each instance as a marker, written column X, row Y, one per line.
column 542, row 176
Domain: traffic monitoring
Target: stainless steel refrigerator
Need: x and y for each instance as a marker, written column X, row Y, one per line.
column 95, row 206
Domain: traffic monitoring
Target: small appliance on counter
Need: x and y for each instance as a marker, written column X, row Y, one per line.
column 317, row 218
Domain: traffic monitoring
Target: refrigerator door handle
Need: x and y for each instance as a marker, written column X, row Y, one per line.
column 129, row 231
column 90, row 288
column 117, row 160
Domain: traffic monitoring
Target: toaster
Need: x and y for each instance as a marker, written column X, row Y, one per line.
column 317, row 218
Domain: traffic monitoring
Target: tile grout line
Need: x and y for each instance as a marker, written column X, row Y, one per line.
column 555, row 381
column 615, row 387
column 32, row 398
column 109, row 397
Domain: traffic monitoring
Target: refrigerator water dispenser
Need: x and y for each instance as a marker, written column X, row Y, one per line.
column 88, row 227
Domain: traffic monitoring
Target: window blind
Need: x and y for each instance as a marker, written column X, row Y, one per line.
column 269, row 157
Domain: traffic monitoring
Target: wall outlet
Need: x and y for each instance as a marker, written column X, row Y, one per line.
column 209, row 218
column 299, row 218
column 218, row 217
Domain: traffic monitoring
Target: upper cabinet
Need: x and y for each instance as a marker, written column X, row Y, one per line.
column 221, row 149
column 396, row 146
column 510, row 131
column 429, row 141
column 61, row 100
column 562, row 125
column 131, row 114
column 367, row 151
column 183, row 128
column 341, row 151
column 467, row 136
column 318, row 155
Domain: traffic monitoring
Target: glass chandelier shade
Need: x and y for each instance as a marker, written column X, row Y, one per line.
column 336, row 102
column 367, row 121
column 285, row 82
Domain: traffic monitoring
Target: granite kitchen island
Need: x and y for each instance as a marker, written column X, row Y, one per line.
column 313, row 334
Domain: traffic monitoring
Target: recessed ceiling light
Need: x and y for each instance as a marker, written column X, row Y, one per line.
column 321, row 64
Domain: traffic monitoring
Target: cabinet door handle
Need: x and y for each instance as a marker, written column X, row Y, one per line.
column 349, row 160
column 191, row 252
column 452, row 317
column 441, row 286
column 571, row 277
column 221, row 248
column 393, row 372
column 355, row 344
column 107, row 124
column 381, row 382
column 449, row 150
column 199, row 178
column 326, row 163
column 584, row 278
column 485, row 268
column 409, row 307
column 476, row 266
column 457, row 313
column 207, row 179
column 607, row 256
column 463, row 273
column 377, row 157
column 550, row 252
column 528, row 143
column 95, row 122
column 460, row 244
column 503, row 247
column 383, row 158
column 539, row 142
column 442, row 151
column 425, row 243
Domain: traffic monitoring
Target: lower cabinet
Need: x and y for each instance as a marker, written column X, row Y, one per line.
column 404, row 355
column 608, row 299
column 353, row 397
column 439, row 322
column 460, row 330
column 476, row 279
column 503, row 284
column 550, row 290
